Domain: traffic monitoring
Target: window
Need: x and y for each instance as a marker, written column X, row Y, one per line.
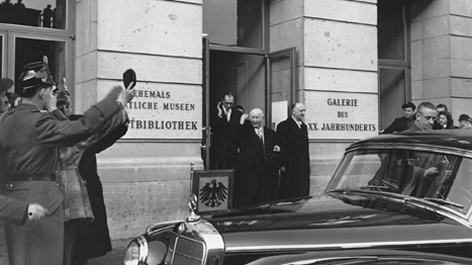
column 394, row 59
column 234, row 23
column 31, row 29
column 36, row 13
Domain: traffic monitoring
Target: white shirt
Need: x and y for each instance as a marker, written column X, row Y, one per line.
column 228, row 114
column 299, row 123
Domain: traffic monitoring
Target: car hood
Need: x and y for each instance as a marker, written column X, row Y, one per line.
column 332, row 221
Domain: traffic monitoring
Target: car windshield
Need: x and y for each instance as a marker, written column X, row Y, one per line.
column 436, row 177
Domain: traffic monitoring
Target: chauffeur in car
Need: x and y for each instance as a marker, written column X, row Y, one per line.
column 356, row 220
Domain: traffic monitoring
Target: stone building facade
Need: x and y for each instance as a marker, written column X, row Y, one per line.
column 352, row 62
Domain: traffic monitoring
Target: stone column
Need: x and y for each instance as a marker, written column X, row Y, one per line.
column 336, row 44
column 441, row 55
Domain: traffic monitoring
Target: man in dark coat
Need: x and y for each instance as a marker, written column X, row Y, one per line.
column 29, row 160
column 425, row 170
column 403, row 123
column 254, row 181
column 292, row 137
column 224, row 134
column 93, row 240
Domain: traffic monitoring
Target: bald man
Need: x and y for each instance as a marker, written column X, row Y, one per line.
column 254, row 181
column 292, row 137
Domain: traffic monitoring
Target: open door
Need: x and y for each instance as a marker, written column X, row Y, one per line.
column 281, row 84
column 206, row 129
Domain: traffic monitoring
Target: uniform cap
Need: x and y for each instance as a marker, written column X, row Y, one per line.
column 34, row 77
column 5, row 84
column 409, row 105
column 464, row 117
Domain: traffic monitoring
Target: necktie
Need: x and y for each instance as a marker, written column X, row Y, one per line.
column 261, row 135
column 228, row 115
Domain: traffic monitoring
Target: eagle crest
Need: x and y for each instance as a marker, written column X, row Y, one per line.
column 212, row 194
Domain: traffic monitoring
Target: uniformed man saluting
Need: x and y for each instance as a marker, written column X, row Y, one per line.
column 30, row 137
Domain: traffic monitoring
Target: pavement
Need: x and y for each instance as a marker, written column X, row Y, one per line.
column 115, row 257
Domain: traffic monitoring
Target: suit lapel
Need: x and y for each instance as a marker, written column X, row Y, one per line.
column 294, row 127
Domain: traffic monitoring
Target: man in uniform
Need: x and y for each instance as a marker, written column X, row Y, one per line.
column 292, row 138
column 30, row 137
column 403, row 123
column 12, row 210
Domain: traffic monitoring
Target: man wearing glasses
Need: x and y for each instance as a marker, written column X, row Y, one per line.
column 225, row 130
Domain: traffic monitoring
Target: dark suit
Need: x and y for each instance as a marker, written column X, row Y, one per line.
column 293, row 142
column 420, row 183
column 225, row 140
column 254, row 182
column 33, row 154
column 399, row 125
column 93, row 240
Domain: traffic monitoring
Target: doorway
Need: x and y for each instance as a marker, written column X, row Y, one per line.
column 265, row 81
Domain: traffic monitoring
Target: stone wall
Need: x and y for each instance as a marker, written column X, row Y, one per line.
column 144, row 180
column 440, row 50
column 336, row 43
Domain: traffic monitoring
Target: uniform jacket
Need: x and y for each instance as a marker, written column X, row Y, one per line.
column 33, row 152
column 12, row 210
column 293, row 142
column 399, row 125
column 254, row 182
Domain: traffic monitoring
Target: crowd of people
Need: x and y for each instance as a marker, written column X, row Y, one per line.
column 51, row 199
column 438, row 118
column 268, row 164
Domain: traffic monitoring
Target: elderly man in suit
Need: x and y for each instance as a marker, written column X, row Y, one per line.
column 292, row 137
column 254, row 180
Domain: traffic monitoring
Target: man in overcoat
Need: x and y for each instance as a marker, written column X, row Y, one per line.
column 93, row 240
column 292, row 138
column 30, row 137
column 224, row 148
column 254, row 181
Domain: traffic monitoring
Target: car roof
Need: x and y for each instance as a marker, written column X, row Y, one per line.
column 459, row 140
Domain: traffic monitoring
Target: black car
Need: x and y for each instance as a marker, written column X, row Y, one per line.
column 393, row 199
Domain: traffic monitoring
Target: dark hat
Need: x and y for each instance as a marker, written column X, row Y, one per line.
column 464, row 117
column 409, row 105
column 5, row 84
column 239, row 107
column 274, row 160
column 34, row 77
